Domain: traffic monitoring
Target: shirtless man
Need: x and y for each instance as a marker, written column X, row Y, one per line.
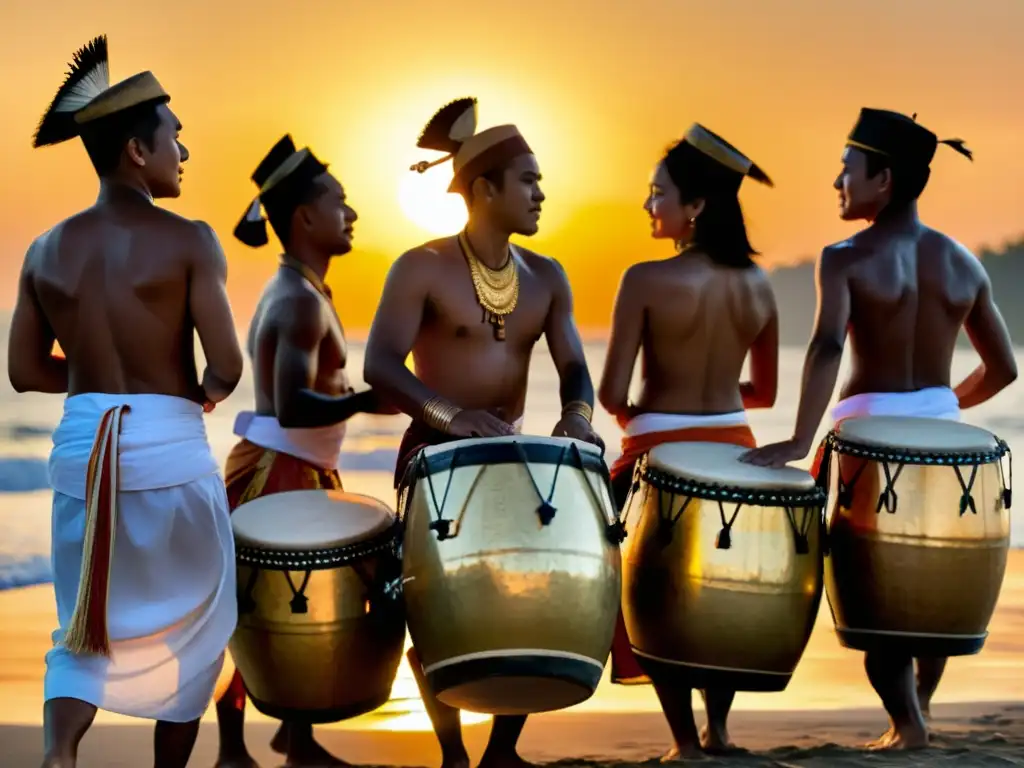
column 292, row 441
column 694, row 318
column 902, row 291
column 472, row 350
column 122, row 287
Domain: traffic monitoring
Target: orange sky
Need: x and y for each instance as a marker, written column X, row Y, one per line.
column 599, row 88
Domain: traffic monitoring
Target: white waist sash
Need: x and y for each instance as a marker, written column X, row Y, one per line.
column 163, row 442
column 929, row 403
column 648, row 423
column 320, row 446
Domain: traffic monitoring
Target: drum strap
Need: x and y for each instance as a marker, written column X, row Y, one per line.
column 800, row 532
column 1007, row 485
column 546, row 510
column 246, row 602
column 889, row 499
column 667, row 522
column 440, row 525
column 615, row 531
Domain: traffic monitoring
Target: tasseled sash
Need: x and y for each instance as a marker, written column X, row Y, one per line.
column 87, row 631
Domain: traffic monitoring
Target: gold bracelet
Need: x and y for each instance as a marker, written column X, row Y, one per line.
column 578, row 408
column 438, row 414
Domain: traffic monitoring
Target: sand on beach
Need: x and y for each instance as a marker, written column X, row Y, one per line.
column 965, row 735
column 828, row 703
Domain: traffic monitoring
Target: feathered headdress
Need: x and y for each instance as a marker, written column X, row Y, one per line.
column 452, row 130
column 86, row 95
column 449, row 128
column 282, row 177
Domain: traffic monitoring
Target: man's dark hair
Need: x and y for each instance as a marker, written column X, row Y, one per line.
column 281, row 209
column 908, row 179
column 105, row 139
column 720, row 231
column 496, row 176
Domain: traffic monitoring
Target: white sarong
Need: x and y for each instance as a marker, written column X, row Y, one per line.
column 171, row 606
column 929, row 403
column 319, row 446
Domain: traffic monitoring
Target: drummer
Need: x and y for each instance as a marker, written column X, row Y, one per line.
column 292, row 439
column 470, row 308
column 903, row 291
column 694, row 317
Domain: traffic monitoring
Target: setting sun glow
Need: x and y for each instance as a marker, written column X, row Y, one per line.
column 424, row 199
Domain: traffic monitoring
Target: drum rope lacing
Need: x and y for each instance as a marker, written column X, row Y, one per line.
column 615, row 531
column 812, row 501
column 888, row 498
column 308, row 561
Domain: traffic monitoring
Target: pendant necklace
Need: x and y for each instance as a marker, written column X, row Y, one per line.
column 497, row 290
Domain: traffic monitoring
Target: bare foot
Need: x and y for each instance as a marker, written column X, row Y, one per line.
column 908, row 738
column 926, row 711
column 280, row 741
column 455, row 760
column 506, row 760
column 684, row 752
column 312, row 755
column 238, row 761
column 716, row 741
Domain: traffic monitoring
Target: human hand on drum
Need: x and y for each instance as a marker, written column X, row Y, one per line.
column 575, row 426
column 776, row 454
column 479, row 424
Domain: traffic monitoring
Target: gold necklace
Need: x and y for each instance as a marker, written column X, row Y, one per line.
column 497, row 290
column 311, row 277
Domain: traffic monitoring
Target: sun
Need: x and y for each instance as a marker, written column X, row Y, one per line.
column 426, row 202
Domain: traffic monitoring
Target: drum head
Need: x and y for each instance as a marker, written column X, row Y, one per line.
column 719, row 464
column 525, row 440
column 297, row 521
column 912, row 433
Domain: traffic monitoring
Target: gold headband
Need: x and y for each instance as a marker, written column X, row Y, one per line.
column 703, row 141
column 283, row 170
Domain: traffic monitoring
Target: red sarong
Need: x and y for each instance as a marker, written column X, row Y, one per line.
column 625, row 668
column 417, row 437
column 251, row 472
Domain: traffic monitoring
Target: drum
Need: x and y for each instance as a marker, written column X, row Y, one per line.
column 919, row 534
column 321, row 626
column 511, row 571
column 722, row 569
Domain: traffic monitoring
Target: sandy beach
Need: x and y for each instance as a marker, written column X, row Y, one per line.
column 822, row 719
column 966, row 735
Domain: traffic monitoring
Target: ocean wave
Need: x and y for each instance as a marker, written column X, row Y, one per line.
column 18, row 432
column 23, row 474
column 24, row 571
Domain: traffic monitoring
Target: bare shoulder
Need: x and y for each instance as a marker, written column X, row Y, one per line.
column 836, row 258
column 758, row 279
column 422, row 262
column 935, row 242
column 296, row 310
column 549, row 269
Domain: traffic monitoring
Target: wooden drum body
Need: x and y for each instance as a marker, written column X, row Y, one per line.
column 919, row 534
column 321, row 625
column 722, row 568
column 511, row 571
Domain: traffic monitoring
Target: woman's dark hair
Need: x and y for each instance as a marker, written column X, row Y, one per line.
column 720, row 231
